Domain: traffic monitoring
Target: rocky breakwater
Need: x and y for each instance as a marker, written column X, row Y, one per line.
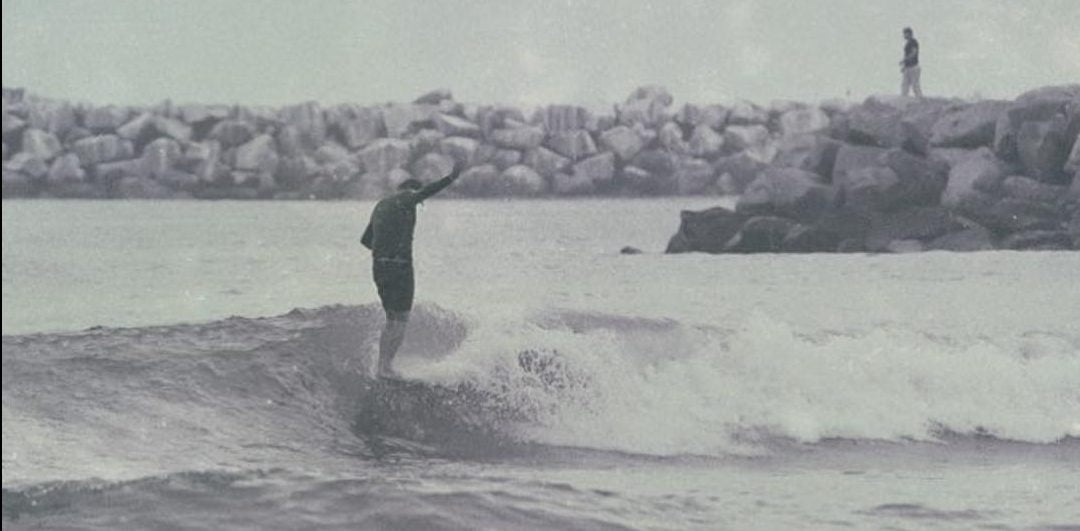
column 902, row 175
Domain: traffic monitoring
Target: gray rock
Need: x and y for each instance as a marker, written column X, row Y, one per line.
column 567, row 185
column 787, row 192
column 1037, row 105
column 454, row 126
column 647, row 105
column 869, row 189
column 140, row 188
column 598, row 169
column 968, row 127
column 694, row 176
column 12, row 124
column 27, row 164
column 850, row 158
column 40, row 144
column 294, row 172
column 309, row 120
column 102, row 148
column 520, row 181
column 478, row 181
column 232, row 133
column 332, row 153
column 523, row 138
column 462, row 149
column 106, row 119
column 65, row 169
column 1038, row 240
column 803, row 121
column 735, row 172
column 1015, row 215
column 747, row 113
column 258, row 155
column 1021, row 187
column 904, row 247
column 546, row 162
column 16, row 184
column 137, row 127
column 705, row 231
column 1072, row 165
column 385, row 154
column 356, row 126
column 435, row 96
column 179, row 180
column 1043, row 149
column 711, row 116
column 401, row 119
column 670, row 136
column 975, row 238
column 171, row 128
column 761, row 234
column 980, row 174
column 504, row 158
column 55, row 117
column 952, row 156
column 630, row 250
column 563, row 118
column 705, row 142
column 922, row 180
column 623, row 141
column 745, row 137
column 659, row 168
column 896, row 122
column 915, row 223
column 810, row 152
column 574, row 145
column 425, row 141
column 160, row 156
column 432, row 166
column 203, row 114
column 202, row 159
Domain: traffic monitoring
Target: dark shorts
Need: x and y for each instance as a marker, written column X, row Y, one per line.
column 395, row 283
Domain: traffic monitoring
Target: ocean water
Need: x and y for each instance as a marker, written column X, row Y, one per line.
column 193, row 365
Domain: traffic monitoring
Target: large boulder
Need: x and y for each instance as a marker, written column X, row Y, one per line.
column 451, row 125
column 462, row 149
column 425, row 141
column 401, row 119
column 922, row 180
column 355, row 126
column 972, row 238
column 1038, row 240
column 1037, row 105
column 202, row 159
column 968, row 127
column 747, row 113
column 40, row 144
column 65, row 169
column 387, row 154
column 869, row 189
column 56, row 117
column 735, row 172
column 172, row 128
column 232, row 133
column 896, row 122
column 952, row 156
column 694, row 176
column 546, row 162
column 137, row 128
column 746, row 137
column 17, row 184
column 13, row 125
column 563, row 184
column 971, row 180
column 203, row 115
column 106, row 119
column 308, row 119
column 652, row 172
column 1015, row 215
column 705, row 231
column 598, row 169
column 801, row 121
column 787, row 192
column 258, row 155
column 160, row 156
column 140, row 188
column 478, row 181
column 561, row 118
column 810, row 152
column 520, row 181
column 523, row 138
column 624, row 141
column 647, row 105
column 761, row 234
column 432, row 166
column 27, row 164
column 711, row 116
column 1020, row 187
column 670, row 136
column 705, row 142
column 850, row 158
column 915, row 223
column 504, row 158
column 574, row 145
column 1043, row 149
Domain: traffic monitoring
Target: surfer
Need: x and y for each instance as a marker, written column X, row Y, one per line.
column 389, row 235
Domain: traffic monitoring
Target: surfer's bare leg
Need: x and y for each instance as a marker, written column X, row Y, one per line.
column 393, row 334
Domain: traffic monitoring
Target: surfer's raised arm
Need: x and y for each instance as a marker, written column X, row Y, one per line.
column 437, row 186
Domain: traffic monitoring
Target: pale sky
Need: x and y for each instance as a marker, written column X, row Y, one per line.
column 590, row 52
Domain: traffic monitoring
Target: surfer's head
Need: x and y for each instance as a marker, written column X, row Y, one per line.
column 908, row 33
column 410, row 184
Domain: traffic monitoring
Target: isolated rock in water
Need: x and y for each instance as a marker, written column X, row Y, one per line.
column 623, row 141
column 968, row 127
column 922, row 180
column 504, row 158
column 40, row 144
column 810, row 152
column 137, row 127
column 630, row 250
column 869, row 189
column 850, row 158
column 746, row 113
column 400, row 119
column 1040, row 240
column 463, row 150
column 432, row 166
column 705, row 231
column 520, row 180
column 598, row 169
column 647, row 105
column 574, row 145
column 309, row 120
column 66, row 169
column 386, row 154
column 106, row 119
column 160, row 156
column 1037, row 105
column 12, row 124
column 140, row 188
column 787, row 192
column 802, row 121
column 478, row 181
column 52, row 116
column 1021, row 187
column 577, row 184
column 1012, row 215
column 975, row 238
column 453, row 126
column 735, row 172
column 232, row 133
column 546, row 162
column 705, row 142
column 980, row 174
column 761, row 234
column 694, row 176
column 435, row 96
column 916, row 223
column 171, row 128
column 1043, row 150
column 523, row 138
column 562, row 118
column 711, row 116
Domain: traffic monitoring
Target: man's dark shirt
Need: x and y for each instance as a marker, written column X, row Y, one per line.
column 911, row 53
column 389, row 234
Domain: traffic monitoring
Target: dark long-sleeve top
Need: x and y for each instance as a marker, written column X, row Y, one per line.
column 389, row 234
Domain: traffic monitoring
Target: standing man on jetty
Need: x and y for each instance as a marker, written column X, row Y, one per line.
column 909, row 65
column 389, row 235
